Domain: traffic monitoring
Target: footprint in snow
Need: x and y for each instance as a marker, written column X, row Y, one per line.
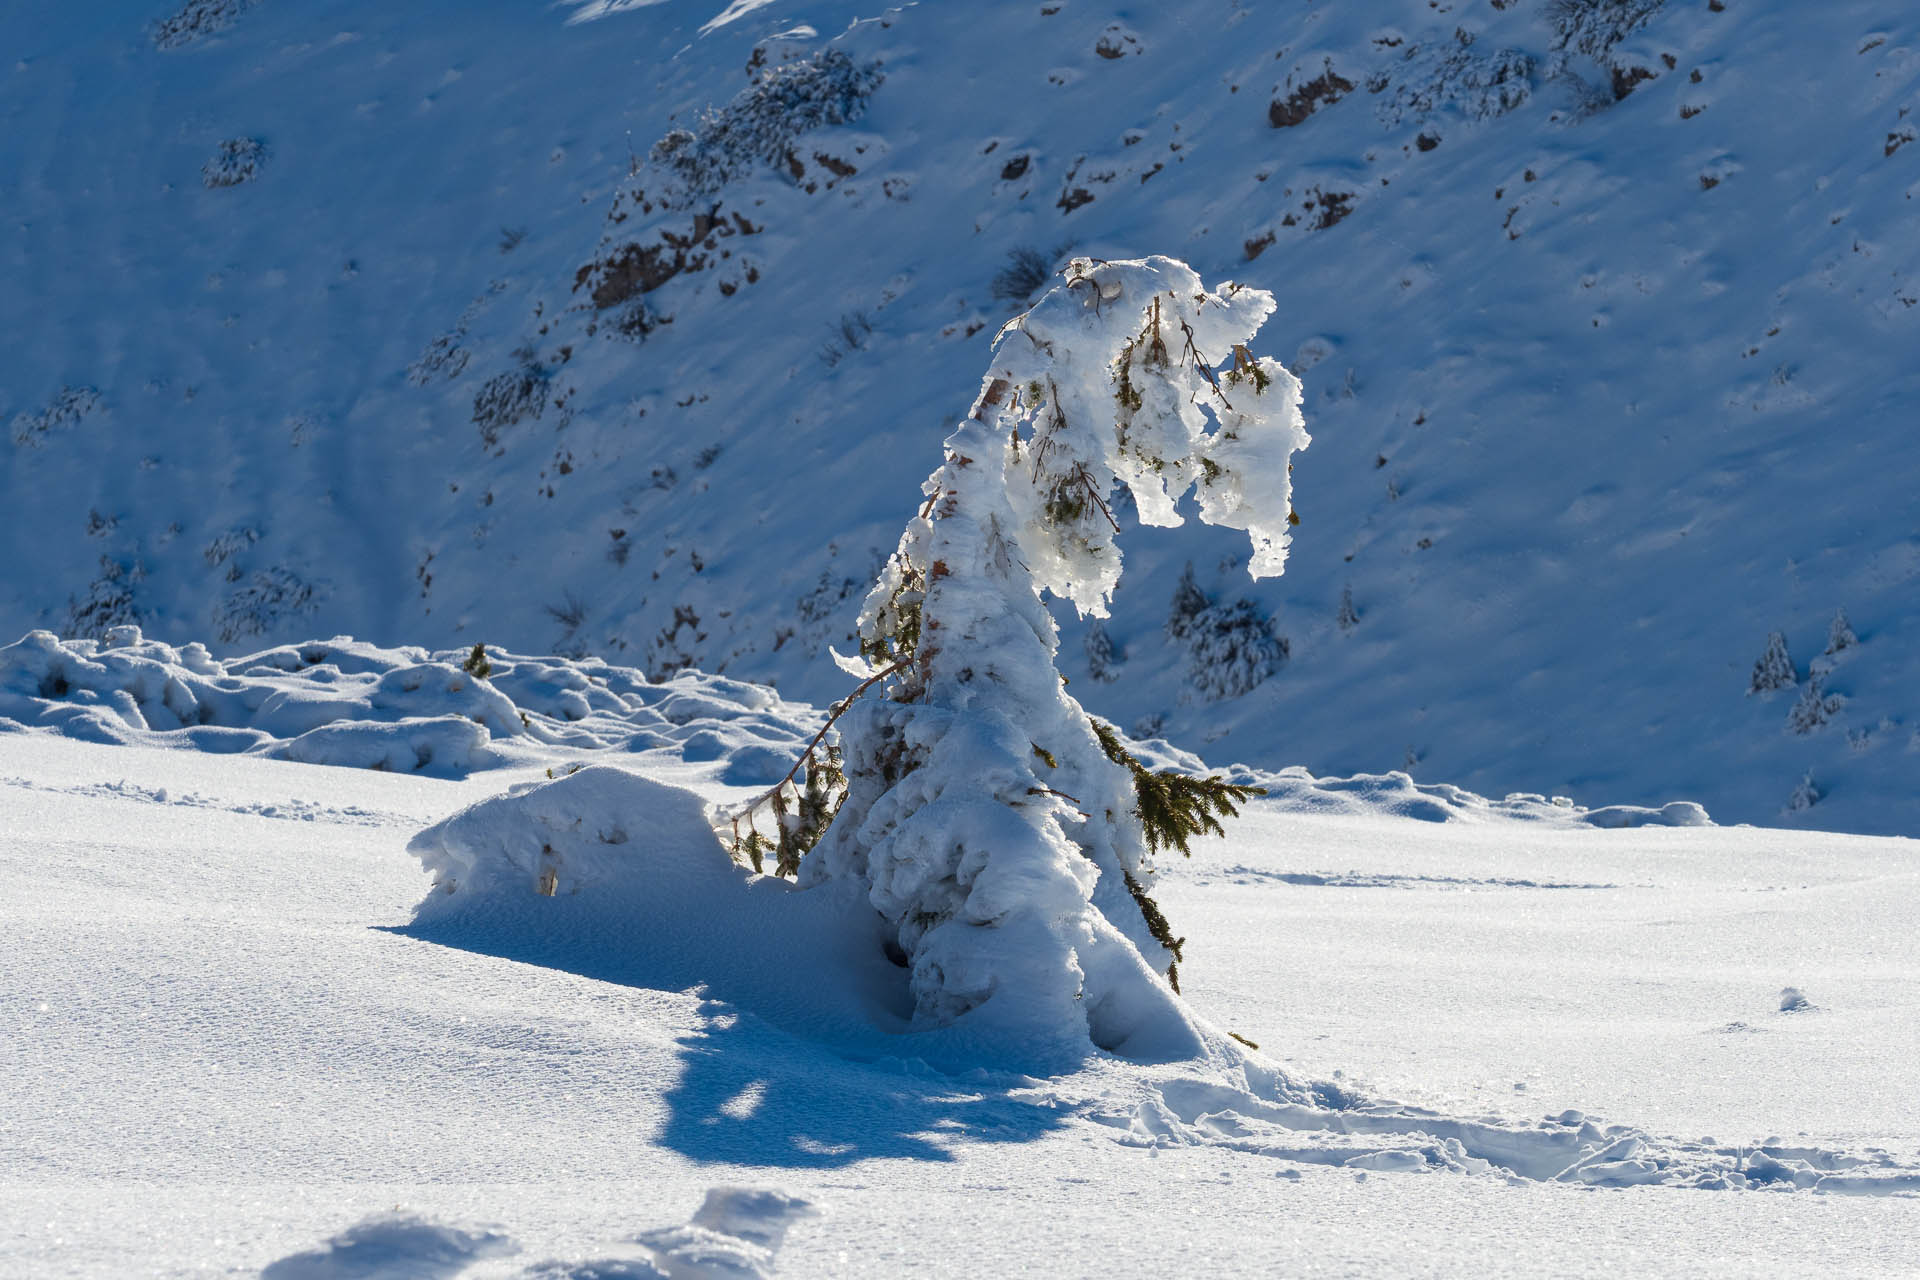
column 734, row 1235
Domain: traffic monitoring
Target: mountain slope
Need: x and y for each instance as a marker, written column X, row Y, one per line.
column 355, row 317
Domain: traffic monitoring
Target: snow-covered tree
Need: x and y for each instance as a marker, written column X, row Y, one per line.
column 1231, row 651
column 1805, row 795
column 1231, row 648
column 1774, row 670
column 1814, row 707
column 1188, row 603
column 1840, row 633
column 1103, row 658
column 998, row 831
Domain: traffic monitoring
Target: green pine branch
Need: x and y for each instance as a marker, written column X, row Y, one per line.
column 1175, row 807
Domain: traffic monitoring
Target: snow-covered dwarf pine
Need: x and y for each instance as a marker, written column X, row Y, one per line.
column 1002, row 833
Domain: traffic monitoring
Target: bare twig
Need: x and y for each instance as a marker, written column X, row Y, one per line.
column 1098, row 501
column 839, row 709
column 1201, row 364
column 1049, row 791
column 1158, row 347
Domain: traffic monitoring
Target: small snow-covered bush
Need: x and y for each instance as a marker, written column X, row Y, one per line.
column 1594, row 27
column 108, row 602
column 261, row 602
column 1840, row 635
column 1347, row 617
column 668, row 223
column 1188, row 603
column 196, row 20
column 1231, row 650
column 846, row 336
column 1814, row 707
column 31, row 430
column 1480, row 86
column 1774, row 669
column 444, row 357
column 1103, row 658
column 1806, row 794
column 508, row 399
column 238, row 160
column 1301, row 100
column 1026, row 271
column 759, row 126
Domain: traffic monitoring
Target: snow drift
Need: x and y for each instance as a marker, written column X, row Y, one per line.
column 618, row 876
column 345, row 702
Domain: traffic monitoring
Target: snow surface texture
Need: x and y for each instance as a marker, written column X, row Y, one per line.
column 1607, row 388
column 623, row 858
column 199, row 1018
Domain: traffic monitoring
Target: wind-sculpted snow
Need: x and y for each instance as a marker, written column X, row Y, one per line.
column 406, row 710
column 1327, row 1124
column 1295, row 790
column 391, row 1247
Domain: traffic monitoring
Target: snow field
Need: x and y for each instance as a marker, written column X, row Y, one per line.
column 201, row 1019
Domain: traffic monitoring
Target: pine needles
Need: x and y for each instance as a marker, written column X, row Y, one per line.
column 798, row 821
column 1173, row 807
column 1158, row 926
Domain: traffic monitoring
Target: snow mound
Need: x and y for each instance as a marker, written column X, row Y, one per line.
column 346, row 702
column 576, row 839
column 1396, row 794
column 619, row 877
column 1324, row 1124
column 391, row 1247
column 350, row 703
column 734, row 1235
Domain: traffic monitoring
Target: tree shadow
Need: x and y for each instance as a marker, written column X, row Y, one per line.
column 785, row 1071
column 752, row 1094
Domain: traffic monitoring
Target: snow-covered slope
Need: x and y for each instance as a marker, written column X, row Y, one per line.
column 379, row 318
